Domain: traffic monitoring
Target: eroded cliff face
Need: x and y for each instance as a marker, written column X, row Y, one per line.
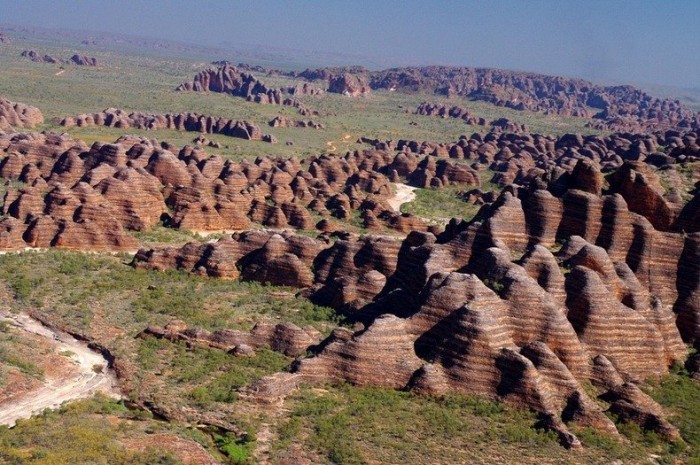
column 585, row 269
column 546, row 290
column 77, row 196
column 18, row 115
column 230, row 80
column 87, row 197
column 617, row 108
column 116, row 118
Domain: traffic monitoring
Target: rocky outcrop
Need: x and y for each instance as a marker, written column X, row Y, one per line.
column 206, row 193
column 487, row 308
column 620, row 107
column 324, row 74
column 18, row 115
column 187, row 188
column 521, row 158
column 352, row 85
column 280, row 259
column 74, row 219
column 284, row 122
column 34, row 56
column 286, row 338
column 444, row 111
column 114, row 117
column 229, row 80
column 352, row 81
column 201, row 140
column 82, row 60
column 76, row 59
column 351, row 357
column 5, row 39
column 617, row 108
column 641, row 188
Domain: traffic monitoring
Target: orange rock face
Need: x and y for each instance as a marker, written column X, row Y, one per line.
column 230, row 80
column 486, row 307
column 352, row 85
column 181, row 122
column 564, row 279
column 18, row 115
column 136, row 183
column 286, row 338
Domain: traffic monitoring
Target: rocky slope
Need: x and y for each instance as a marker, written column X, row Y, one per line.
column 114, row 117
column 88, row 197
column 443, row 111
column 618, row 108
column 229, row 80
column 18, row 115
column 76, row 59
column 498, row 306
column 82, row 60
column 77, row 196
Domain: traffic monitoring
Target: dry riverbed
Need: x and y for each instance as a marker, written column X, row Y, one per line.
column 403, row 194
column 85, row 373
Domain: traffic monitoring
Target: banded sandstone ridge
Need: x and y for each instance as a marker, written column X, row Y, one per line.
column 18, row 115
column 70, row 188
column 443, row 111
column 76, row 59
column 114, row 117
column 76, row 196
column 229, row 80
column 617, row 108
column 497, row 306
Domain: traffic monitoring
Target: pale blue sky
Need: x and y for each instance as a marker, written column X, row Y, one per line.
column 643, row 41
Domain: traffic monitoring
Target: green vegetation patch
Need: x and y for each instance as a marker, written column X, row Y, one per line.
column 237, row 450
column 355, row 425
column 680, row 396
column 440, row 205
column 203, row 375
column 87, row 431
column 160, row 235
column 14, row 354
column 78, row 288
column 103, row 297
column 134, row 82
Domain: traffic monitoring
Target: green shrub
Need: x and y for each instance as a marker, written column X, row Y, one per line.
column 236, row 449
column 22, row 365
column 75, row 434
column 347, row 423
column 591, row 437
column 495, row 286
column 680, row 395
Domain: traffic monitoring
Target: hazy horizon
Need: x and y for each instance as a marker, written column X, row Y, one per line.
column 650, row 42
